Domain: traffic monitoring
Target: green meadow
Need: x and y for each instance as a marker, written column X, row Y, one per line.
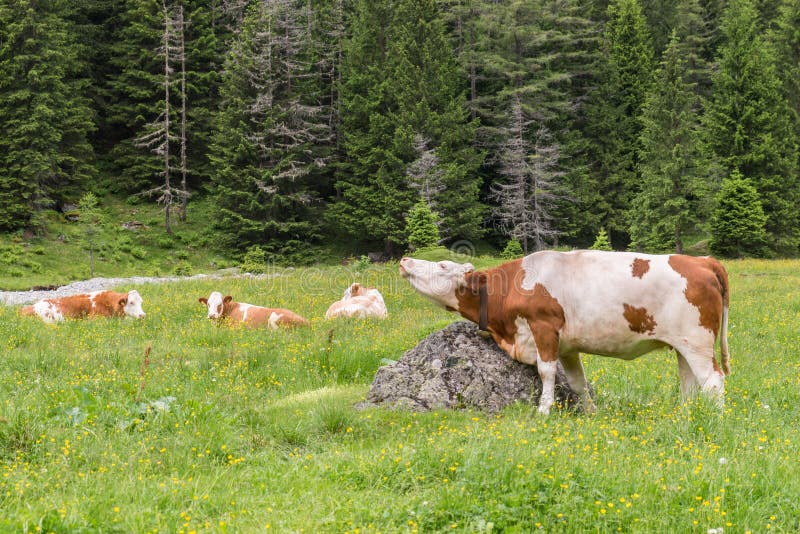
column 224, row 429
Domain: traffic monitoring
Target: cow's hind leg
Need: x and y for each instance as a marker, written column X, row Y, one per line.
column 576, row 378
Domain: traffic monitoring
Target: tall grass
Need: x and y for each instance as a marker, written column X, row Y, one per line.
column 237, row 430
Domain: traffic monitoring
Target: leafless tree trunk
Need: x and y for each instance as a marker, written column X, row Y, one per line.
column 159, row 135
column 234, row 9
column 277, row 66
column 180, row 27
column 527, row 199
column 424, row 173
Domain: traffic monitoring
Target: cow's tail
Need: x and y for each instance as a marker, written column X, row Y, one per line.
column 27, row 310
column 723, row 341
column 722, row 277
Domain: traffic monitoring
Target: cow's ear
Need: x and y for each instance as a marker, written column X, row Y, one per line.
column 203, row 300
column 227, row 299
column 355, row 287
column 123, row 302
column 474, row 281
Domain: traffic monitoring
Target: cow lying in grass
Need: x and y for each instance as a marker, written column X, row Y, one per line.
column 550, row 306
column 359, row 301
column 225, row 309
column 95, row 304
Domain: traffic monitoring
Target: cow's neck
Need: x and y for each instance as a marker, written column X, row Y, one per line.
column 469, row 306
column 228, row 308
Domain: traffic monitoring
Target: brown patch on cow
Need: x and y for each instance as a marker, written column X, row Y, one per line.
column 104, row 304
column 258, row 316
column 507, row 300
column 706, row 287
column 639, row 320
column 640, row 267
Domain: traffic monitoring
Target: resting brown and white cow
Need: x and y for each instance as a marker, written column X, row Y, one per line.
column 551, row 306
column 225, row 309
column 359, row 301
column 97, row 303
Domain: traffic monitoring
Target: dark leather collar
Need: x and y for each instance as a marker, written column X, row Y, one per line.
column 483, row 318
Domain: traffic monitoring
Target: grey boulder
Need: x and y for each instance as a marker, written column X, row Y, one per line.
column 457, row 368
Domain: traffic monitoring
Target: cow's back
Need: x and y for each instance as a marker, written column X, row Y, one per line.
column 257, row 316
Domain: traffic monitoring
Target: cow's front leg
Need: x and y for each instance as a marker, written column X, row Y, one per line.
column 546, row 339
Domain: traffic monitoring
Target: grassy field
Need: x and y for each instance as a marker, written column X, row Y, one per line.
column 230, row 430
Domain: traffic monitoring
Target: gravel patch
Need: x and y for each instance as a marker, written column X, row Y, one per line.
column 16, row 298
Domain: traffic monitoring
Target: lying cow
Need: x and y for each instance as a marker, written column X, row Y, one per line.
column 225, row 309
column 95, row 304
column 551, row 306
column 359, row 301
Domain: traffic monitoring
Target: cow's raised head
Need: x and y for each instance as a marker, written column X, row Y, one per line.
column 215, row 304
column 438, row 281
column 132, row 304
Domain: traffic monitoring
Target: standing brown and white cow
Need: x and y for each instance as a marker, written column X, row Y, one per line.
column 224, row 308
column 551, row 306
column 95, row 304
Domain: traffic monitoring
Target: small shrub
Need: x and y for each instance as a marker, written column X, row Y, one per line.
column 164, row 242
column 124, row 244
column 138, row 252
column 361, row 263
column 513, row 250
column 421, row 227
column 255, row 260
column 31, row 265
column 737, row 224
column 183, row 268
column 16, row 272
column 182, row 254
column 602, row 242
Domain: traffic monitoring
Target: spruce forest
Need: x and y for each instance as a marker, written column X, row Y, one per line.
column 659, row 124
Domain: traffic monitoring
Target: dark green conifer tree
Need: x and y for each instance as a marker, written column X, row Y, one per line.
column 613, row 116
column 134, row 94
column 421, row 226
column 673, row 195
column 45, row 117
column 737, row 225
column 274, row 133
column 786, row 42
column 400, row 81
column 748, row 124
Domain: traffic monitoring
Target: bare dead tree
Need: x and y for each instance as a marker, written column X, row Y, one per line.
column 527, row 199
column 180, row 28
column 424, row 173
column 286, row 126
column 234, row 10
column 158, row 136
